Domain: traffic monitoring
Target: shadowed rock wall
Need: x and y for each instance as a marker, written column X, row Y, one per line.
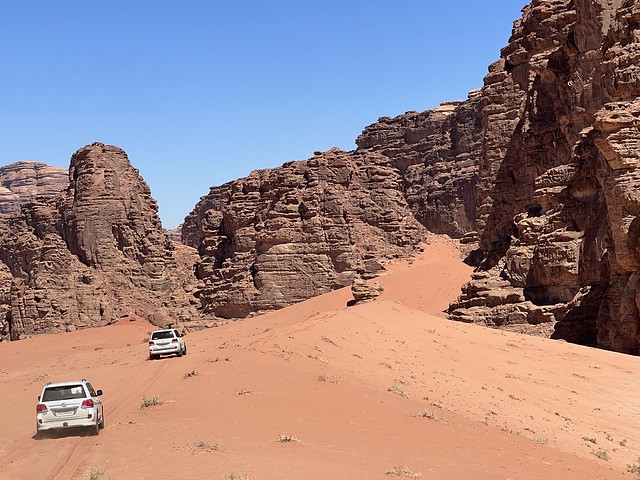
column 558, row 186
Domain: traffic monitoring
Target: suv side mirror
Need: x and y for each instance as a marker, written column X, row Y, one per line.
column 38, row 397
column 98, row 393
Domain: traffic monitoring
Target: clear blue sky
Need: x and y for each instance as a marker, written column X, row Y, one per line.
column 200, row 92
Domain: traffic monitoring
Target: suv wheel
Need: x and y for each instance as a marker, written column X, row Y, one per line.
column 95, row 429
column 184, row 351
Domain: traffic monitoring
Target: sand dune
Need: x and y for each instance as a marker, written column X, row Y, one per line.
column 320, row 390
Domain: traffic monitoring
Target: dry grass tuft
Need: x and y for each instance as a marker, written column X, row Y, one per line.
column 402, row 471
column 149, row 402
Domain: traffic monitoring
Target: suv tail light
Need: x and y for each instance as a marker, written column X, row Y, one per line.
column 151, row 342
column 41, row 408
column 87, row 403
column 175, row 340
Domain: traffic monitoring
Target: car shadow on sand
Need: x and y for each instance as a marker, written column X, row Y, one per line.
column 63, row 433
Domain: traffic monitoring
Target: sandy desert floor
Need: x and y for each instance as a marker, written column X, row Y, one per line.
column 321, row 390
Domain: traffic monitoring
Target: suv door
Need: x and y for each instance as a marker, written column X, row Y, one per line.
column 96, row 400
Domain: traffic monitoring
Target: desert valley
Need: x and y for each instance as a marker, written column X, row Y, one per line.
column 321, row 390
column 456, row 298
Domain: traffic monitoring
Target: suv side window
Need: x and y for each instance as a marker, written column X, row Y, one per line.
column 92, row 392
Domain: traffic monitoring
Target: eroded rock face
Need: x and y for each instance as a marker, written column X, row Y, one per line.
column 363, row 292
column 558, row 199
column 95, row 253
column 23, row 182
column 437, row 154
column 287, row 234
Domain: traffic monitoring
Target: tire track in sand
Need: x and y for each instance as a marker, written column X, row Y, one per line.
column 132, row 385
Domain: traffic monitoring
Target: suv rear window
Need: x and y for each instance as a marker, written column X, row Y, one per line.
column 161, row 335
column 66, row 392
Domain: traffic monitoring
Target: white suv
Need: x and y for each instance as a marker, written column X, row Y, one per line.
column 166, row 342
column 69, row 405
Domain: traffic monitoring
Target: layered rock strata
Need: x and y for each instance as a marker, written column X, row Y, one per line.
column 291, row 233
column 92, row 255
column 283, row 235
column 558, row 185
column 23, row 182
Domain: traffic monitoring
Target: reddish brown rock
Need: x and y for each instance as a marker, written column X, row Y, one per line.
column 284, row 235
column 363, row 292
column 96, row 253
column 23, row 182
column 558, row 201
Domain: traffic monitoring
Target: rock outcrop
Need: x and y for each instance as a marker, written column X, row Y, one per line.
column 284, row 235
column 540, row 168
column 95, row 253
column 536, row 174
column 558, row 185
column 363, row 292
column 23, row 182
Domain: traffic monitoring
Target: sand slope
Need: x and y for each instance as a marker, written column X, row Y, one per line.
column 320, row 390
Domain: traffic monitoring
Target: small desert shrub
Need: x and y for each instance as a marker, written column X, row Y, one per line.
column 201, row 445
column 328, row 340
column 590, row 439
column 398, row 390
column 150, row 402
column 96, row 474
column 192, row 373
column 287, row 438
column 635, row 468
column 237, row 476
column 430, row 414
column 542, row 440
column 244, row 391
column 402, row 471
column 145, row 340
column 321, row 378
column 601, row 454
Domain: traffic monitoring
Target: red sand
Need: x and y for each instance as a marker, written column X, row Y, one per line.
column 362, row 392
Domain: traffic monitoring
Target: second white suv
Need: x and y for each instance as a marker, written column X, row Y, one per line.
column 166, row 342
column 69, row 405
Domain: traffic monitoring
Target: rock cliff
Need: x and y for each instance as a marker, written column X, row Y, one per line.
column 287, row 234
column 283, row 235
column 536, row 174
column 22, row 182
column 539, row 167
column 558, row 181
column 95, row 253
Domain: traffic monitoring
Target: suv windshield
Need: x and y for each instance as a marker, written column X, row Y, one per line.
column 66, row 392
column 161, row 335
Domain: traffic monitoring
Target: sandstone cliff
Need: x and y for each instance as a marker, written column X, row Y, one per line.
column 22, row 182
column 538, row 170
column 286, row 234
column 539, row 167
column 95, row 253
column 558, row 184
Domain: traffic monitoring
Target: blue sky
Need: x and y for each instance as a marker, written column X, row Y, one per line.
column 202, row 92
